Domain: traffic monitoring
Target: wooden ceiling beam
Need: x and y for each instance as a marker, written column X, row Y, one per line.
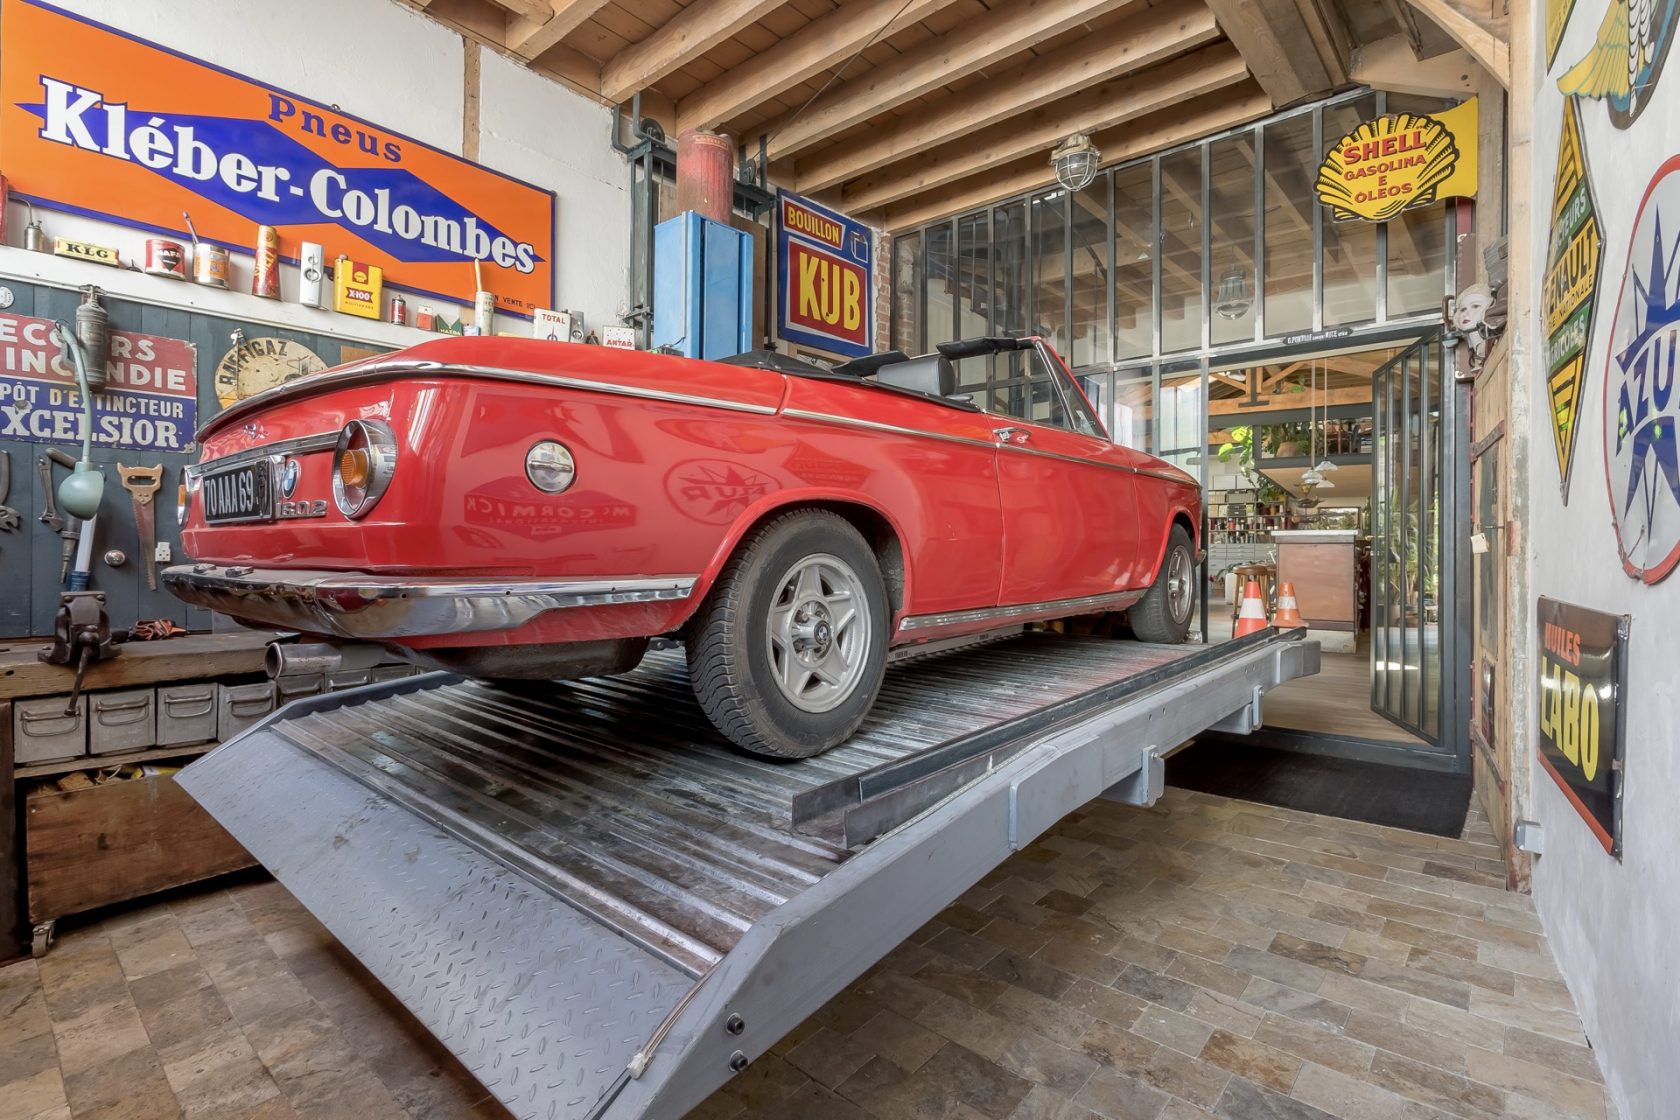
column 827, row 41
column 688, row 35
column 1103, row 106
column 1290, row 47
column 1008, row 29
column 519, row 7
column 1486, row 38
column 1210, row 114
column 1125, row 49
column 1391, row 64
column 531, row 34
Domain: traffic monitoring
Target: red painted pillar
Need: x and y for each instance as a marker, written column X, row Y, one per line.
column 705, row 173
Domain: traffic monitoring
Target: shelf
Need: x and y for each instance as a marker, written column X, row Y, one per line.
column 104, row 761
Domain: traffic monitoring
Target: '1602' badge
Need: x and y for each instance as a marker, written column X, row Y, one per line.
column 1641, row 397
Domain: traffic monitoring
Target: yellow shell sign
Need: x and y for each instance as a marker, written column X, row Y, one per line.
column 1400, row 162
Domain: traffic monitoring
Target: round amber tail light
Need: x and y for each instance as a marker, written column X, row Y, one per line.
column 363, row 463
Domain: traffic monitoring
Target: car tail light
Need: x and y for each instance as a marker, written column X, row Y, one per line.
column 363, row 462
column 183, row 502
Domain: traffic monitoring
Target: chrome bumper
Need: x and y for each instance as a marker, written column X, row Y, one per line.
column 359, row 606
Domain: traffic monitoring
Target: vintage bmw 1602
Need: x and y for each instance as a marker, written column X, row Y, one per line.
column 522, row 509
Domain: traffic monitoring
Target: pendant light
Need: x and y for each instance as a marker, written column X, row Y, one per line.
column 1234, row 298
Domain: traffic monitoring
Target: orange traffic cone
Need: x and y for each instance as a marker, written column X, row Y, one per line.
column 1252, row 618
column 1288, row 614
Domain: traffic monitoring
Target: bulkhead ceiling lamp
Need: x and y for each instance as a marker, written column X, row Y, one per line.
column 1234, row 298
column 1075, row 160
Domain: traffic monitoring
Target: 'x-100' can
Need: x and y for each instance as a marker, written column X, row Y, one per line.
column 265, row 274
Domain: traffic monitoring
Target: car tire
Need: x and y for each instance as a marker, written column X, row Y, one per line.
column 787, row 653
column 1164, row 613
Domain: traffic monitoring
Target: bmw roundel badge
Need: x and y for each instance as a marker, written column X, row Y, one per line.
column 289, row 478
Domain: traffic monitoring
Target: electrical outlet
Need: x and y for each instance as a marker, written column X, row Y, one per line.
column 162, row 553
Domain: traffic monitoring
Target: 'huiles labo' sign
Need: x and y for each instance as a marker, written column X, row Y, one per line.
column 1400, row 162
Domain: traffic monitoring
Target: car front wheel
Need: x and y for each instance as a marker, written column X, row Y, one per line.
column 1164, row 613
column 787, row 653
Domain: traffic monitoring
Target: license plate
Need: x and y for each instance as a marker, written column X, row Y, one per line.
column 243, row 493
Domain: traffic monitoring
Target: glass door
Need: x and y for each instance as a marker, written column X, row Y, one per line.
column 1407, row 592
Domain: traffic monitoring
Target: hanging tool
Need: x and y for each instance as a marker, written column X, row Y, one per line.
column 81, row 634
column 142, row 484
column 9, row 519
column 68, row 528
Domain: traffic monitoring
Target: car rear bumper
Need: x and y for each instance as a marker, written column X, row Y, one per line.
column 361, row 606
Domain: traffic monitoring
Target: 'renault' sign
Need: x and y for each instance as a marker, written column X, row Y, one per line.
column 827, row 274
column 96, row 121
column 1583, row 676
column 149, row 403
column 1570, row 290
column 1400, row 162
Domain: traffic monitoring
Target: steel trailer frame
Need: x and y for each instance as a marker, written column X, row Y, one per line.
column 636, row 991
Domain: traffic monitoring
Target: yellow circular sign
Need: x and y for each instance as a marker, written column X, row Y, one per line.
column 262, row 363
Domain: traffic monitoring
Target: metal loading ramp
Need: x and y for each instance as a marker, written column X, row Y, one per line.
column 604, row 910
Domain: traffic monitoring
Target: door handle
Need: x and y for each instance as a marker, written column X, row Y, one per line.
column 1011, row 435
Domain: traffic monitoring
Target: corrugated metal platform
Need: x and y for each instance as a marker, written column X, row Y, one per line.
column 563, row 882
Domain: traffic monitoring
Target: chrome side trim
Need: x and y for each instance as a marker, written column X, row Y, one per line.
column 877, row 426
column 301, row 445
column 1121, row 468
column 384, row 370
column 360, row 606
column 1087, row 604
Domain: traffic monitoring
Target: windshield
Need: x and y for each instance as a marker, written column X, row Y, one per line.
column 1026, row 385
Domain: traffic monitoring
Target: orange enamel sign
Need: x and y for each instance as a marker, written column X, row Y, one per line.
column 96, row 121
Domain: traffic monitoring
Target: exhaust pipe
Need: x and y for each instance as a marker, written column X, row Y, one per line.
column 293, row 659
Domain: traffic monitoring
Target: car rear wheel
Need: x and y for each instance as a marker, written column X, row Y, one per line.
column 787, row 653
column 1163, row 615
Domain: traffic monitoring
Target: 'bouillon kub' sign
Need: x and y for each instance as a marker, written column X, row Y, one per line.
column 1400, row 162
column 1583, row 675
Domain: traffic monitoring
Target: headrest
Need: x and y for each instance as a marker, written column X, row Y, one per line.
column 932, row 374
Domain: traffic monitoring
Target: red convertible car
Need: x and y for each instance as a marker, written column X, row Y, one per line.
column 523, row 509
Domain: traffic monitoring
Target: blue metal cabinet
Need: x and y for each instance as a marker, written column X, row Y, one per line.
column 702, row 287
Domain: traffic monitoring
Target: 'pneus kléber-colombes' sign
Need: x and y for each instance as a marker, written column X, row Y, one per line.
column 96, row 121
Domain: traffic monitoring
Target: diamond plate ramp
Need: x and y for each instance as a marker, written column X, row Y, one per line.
column 543, row 1005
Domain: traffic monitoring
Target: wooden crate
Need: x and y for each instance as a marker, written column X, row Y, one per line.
column 92, row 847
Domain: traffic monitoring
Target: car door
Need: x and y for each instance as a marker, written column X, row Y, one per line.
column 1068, row 494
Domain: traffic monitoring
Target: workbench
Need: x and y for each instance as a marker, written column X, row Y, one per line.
column 62, row 852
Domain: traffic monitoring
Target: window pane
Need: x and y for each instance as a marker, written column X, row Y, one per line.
column 907, row 293
column 1231, row 203
column 1181, row 251
column 974, row 276
column 1049, row 292
column 1291, row 164
column 1417, row 260
column 1180, row 438
column 1350, row 248
column 1129, row 416
column 1009, row 268
column 941, row 271
column 1134, row 262
column 1088, row 241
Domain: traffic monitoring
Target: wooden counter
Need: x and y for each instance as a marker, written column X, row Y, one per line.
column 23, row 674
column 1323, row 564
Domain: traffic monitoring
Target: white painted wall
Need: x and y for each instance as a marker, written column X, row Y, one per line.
column 1614, row 927
column 390, row 65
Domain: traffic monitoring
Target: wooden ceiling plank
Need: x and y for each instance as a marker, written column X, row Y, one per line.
column 823, row 43
column 1100, row 107
column 1139, row 44
column 974, row 45
column 1272, row 36
column 688, row 35
column 1484, row 39
column 530, row 35
column 1137, row 138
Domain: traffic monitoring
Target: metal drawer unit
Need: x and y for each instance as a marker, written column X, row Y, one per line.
column 287, row 689
column 238, row 706
column 119, row 722
column 186, row 714
column 42, row 732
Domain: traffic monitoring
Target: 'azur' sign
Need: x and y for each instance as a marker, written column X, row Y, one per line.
column 827, row 274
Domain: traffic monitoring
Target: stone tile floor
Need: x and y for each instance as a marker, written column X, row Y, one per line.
column 1204, row 957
